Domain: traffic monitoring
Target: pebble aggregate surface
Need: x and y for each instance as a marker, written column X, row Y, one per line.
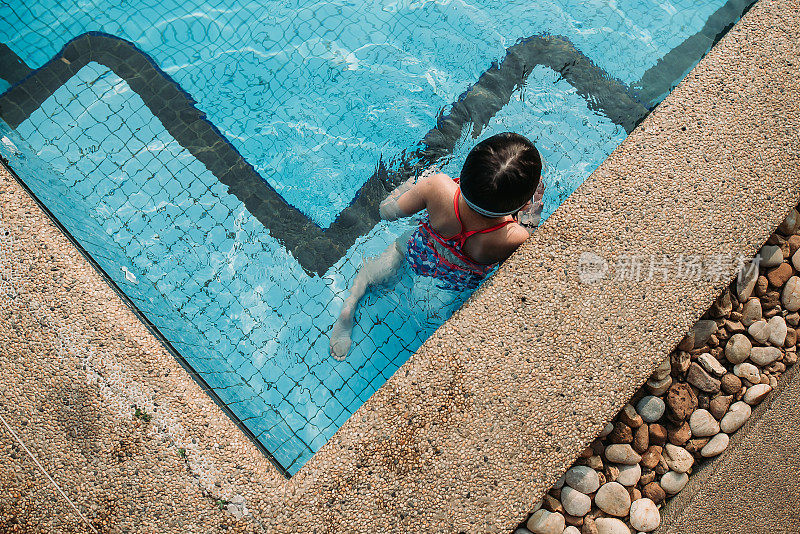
column 471, row 433
column 76, row 364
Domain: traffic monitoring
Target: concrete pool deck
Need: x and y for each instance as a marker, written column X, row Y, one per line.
column 476, row 426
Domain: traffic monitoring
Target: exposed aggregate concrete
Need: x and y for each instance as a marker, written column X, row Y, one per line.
column 75, row 361
column 477, row 425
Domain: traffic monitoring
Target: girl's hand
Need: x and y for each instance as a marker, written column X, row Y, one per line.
column 531, row 212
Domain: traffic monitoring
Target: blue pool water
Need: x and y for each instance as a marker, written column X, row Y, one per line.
column 313, row 96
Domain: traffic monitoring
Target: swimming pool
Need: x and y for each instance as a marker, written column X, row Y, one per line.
column 223, row 164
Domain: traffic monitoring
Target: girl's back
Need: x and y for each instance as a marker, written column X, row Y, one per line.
column 488, row 240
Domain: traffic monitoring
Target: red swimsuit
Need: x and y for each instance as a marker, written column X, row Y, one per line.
column 445, row 259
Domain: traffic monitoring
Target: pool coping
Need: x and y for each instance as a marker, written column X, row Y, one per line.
column 480, row 422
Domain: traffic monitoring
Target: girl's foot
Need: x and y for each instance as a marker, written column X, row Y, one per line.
column 372, row 272
column 341, row 332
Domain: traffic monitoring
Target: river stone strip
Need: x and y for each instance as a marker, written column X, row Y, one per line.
column 477, row 425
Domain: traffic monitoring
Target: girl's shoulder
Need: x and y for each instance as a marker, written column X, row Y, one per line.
column 432, row 175
column 517, row 234
column 437, row 185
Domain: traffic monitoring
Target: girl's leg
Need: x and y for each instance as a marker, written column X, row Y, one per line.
column 374, row 272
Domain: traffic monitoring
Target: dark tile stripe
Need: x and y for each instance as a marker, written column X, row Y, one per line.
column 496, row 86
column 12, row 67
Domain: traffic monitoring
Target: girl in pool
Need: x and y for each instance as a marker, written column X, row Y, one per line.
column 470, row 225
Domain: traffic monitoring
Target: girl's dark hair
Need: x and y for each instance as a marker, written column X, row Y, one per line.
column 501, row 173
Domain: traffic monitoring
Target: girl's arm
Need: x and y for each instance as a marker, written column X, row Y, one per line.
column 389, row 209
column 407, row 199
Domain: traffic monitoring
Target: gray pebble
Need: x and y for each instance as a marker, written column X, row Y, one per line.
column 711, row 364
column 789, row 225
column 613, row 499
column 678, row 459
column 759, row 331
column 629, row 475
column 645, row 516
column 737, row 415
column 701, row 379
column 651, row 408
column 764, row 356
column 746, row 281
column 790, row 296
column 703, row 329
column 715, row 446
column 607, row 430
column 582, row 478
column 659, row 387
column 771, row 256
column 575, row 503
column 663, row 370
column 611, row 525
column 751, row 312
column 544, row 522
column 748, row 371
column 673, row 482
column 620, row 453
column 777, row 330
column 755, row 394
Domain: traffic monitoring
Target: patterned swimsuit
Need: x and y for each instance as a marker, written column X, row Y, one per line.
column 430, row 254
